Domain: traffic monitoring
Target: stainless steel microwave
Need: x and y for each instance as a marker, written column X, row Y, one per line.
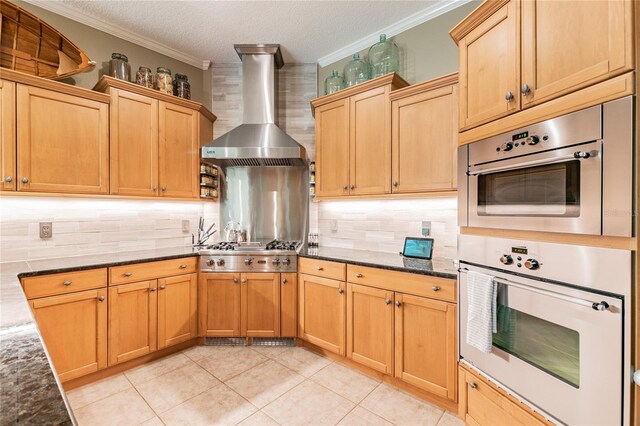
column 572, row 174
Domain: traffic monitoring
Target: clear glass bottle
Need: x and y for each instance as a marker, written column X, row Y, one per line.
column 384, row 57
column 164, row 80
column 333, row 83
column 356, row 71
column 119, row 67
column 144, row 77
column 181, row 86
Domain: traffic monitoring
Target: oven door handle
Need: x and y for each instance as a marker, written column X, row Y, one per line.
column 578, row 155
column 598, row 306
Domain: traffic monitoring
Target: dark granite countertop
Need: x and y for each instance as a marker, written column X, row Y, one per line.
column 30, row 391
column 437, row 267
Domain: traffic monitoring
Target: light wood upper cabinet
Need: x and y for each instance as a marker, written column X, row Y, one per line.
column 425, row 136
column 289, row 304
column 370, row 327
column 74, row 328
column 260, row 311
column 219, row 305
column 332, row 154
column 177, row 309
column 134, row 144
column 568, row 45
column 133, row 316
column 7, row 135
column 425, row 344
column 63, row 142
column 322, row 312
column 179, row 153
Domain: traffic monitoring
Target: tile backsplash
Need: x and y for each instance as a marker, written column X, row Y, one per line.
column 91, row 226
column 382, row 225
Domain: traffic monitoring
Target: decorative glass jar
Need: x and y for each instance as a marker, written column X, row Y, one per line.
column 119, row 67
column 333, row 83
column 144, row 77
column 164, row 80
column 384, row 57
column 182, row 87
column 356, row 71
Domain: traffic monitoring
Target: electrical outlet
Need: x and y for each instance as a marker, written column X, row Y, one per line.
column 334, row 225
column 186, row 226
column 46, row 230
column 426, row 228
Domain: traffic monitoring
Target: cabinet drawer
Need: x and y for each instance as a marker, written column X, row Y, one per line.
column 322, row 268
column 66, row 282
column 150, row 270
column 405, row 282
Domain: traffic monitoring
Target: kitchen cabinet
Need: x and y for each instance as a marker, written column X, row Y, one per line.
column 219, row 300
column 7, row 135
column 260, row 304
column 424, row 136
column 353, row 139
column 62, row 142
column 289, row 304
column 177, row 309
column 517, row 54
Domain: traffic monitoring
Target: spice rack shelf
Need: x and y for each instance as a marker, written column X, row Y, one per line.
column 209, row 182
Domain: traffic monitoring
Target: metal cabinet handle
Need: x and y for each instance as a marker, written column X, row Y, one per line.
column 358, row 275
column 183, row 266
column 340, row 291
column 67, row 283
column 155, row 188
column 235, row 280
column 352, row 187
column 162, row 287
column 101, row 298
column 525, row 89
column 398, row 303
column 435, row 288
column 387, row 301
column 25, row 180
column 244, row 280
column 395, row 183
column 284, row 281
column 164, row 189
column 472, row 385
column 128, row 274
column 152, row 289
column 8, row 179
column 320, row 268
column 344, row 187
column 509, row 96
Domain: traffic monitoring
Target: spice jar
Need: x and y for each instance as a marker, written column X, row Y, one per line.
column 144, row 77
column 164, row 80
column 182, row 87
column 119, row 67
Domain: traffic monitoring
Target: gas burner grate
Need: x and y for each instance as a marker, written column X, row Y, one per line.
column 223, row 246
column 283, row 245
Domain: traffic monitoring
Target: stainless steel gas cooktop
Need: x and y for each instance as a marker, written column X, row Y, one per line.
column 250, row 256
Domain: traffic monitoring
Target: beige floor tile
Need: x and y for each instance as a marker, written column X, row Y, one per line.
column 258, row 419
column 450, row 419
column 123, row 408
column 309, row 403
column 227, row 364
column 153, row 422
column 302, row 361
column 199, row 352
column 265, row 382
column 96, row 391
column 345, row 382
column 361, row 417
column 174, row 388
column 271, row 351
column 400, row 408
column 218, row 405
column 149, row 371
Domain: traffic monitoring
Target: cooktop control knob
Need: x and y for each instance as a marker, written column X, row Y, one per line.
column 286, row 261
column 533, row 140
column 220, row 262
column 507, row 146
column 248, row 261
column 210, row 262
column 275, row 261
column 506, row 259
column 531, row 264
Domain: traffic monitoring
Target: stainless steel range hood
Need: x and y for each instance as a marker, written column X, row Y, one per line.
column 258, row 141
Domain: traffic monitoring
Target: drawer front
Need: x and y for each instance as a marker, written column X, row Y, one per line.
column 405, row 282
column 322, row 268
column 151, row 270
column 63, row 283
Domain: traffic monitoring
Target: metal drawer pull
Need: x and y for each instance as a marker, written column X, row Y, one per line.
column 25, row 180
column 244, row 280
column 162, row 287
column 472, row 385
column 152, row 289
column 320, row 268
column 435, row 288
column 387, row 301
column 8, row 179
column 340, row 291
column 508, row 96
column 128, row 274
column 358, row 275
column 284, row 281
column 183, row 266
column 235, row 280
column 101, row 298
column 398, row 304
column 67, row 283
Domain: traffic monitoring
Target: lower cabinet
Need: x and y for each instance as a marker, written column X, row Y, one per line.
column 289, row 304
column 177, row 309
column 74, row 329
column 219, row 299
column 260, row 305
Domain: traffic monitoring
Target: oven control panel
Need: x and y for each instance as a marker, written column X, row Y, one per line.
column 520, row 257
column 249, row 263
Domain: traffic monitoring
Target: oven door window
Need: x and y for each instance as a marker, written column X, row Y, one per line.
column 548, row 190
column 550, row 347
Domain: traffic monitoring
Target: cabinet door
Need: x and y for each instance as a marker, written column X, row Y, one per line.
column 332, row 149
column 7, row 135
column 63, row 142
column 74, row 328
column 133, row 316
column 489, row 59
column 177, row 309
column 260, row 310
column 322, row 312
column 219, row 304
column 134, row 144
column 370, row 142
column 424, row 141
column 288, row 304
column 370, row 327
column 426, row 344
column 568, row 45
column 179, row 159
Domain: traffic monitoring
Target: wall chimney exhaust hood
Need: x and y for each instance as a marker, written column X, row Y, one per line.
column 258, row 141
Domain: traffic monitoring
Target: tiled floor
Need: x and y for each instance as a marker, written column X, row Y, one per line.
column 207, row 385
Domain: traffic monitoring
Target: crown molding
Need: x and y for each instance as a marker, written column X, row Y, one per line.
column 431, row 12
column 67, row 11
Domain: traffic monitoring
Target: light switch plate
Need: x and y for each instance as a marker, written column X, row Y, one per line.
column 186, row 224
column 46, row 230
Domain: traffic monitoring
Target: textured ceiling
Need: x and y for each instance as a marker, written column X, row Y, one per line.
column 306, row 30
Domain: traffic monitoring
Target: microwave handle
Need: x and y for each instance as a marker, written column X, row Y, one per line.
column 598, row 306
column 578, row 155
